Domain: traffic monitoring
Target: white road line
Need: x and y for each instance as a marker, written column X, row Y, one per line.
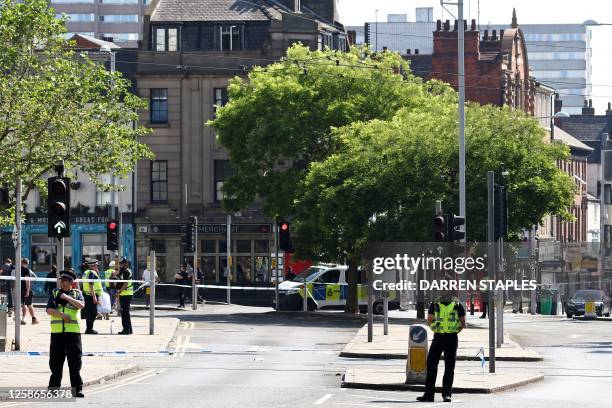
column 323, row 399
column 128, row 381
column 361, row 405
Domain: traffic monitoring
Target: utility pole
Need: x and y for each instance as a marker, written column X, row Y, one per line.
column 194, row 289
column 276, row 297
column 491, row 263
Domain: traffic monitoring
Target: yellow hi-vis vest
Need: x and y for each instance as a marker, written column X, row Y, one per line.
column 89, row 274
column 107, row 275
column 129, row 290
column 58, row 325
column 446, row 319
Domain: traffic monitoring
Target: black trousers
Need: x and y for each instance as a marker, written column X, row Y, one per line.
column 126, row 320
column 447, row 344
column 485, row 308
column 90, row 312
column 65, row 345
column 182, row 293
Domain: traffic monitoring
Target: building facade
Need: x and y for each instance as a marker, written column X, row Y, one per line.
column 118, row 21
column 189, row 54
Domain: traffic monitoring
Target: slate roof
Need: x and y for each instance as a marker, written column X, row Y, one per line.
column 570, row 141
column 214, row 10
column 589, row 130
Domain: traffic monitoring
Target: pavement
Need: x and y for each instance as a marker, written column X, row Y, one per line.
column 106, row 356
column 395, row 345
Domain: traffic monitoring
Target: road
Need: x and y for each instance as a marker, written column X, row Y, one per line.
column 250, row 357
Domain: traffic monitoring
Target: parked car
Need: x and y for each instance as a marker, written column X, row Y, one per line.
column 577, row 303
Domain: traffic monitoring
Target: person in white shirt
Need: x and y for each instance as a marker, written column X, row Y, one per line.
column 146, row 276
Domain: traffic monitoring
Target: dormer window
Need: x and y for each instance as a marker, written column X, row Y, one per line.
column 166, row 39
column 230, row 38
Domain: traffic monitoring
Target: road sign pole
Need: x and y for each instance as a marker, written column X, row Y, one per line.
column 152, row 296
column 276, row 243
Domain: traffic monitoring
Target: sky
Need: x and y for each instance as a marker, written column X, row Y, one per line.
column 357, row 12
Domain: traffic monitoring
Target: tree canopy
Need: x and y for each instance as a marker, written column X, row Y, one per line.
column 58, row 105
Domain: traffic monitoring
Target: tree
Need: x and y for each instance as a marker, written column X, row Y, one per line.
column 397, row 169
column 287, row 111
column 58, row 105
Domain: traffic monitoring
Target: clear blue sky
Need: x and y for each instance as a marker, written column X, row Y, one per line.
column 356, row 12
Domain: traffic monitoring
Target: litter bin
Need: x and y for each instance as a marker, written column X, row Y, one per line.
column 546, row 302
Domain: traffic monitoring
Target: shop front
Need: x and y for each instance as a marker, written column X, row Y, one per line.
column 87, row 241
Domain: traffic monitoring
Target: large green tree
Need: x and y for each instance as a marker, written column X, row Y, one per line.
column 281, row 118
column 58, row 105
column 397, row 169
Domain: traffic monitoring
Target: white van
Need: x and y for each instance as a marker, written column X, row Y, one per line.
column 327, row 288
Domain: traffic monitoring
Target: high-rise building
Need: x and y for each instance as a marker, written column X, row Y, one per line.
column 118, row 21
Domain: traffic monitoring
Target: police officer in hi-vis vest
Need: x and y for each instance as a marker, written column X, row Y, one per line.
column 91, row 291
column 126, row 291
column 64, row 306
column 446, row 318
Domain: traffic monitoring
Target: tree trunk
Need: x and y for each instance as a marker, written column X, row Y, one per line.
column 351, row 305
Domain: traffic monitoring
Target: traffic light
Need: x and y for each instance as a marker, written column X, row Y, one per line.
column 284, row 237
column 439, row 228
column 112, row 235
column 4, row 198
column 190, row 238
column 58, row 207
column 367, row 33
column 501, row 212
column 454, row 222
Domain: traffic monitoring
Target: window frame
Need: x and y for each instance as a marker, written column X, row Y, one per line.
column 158, row 104
column 239, row 43
column 159, row 180
column 170, row 39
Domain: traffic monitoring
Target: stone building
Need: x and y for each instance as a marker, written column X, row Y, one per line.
column 190, row 49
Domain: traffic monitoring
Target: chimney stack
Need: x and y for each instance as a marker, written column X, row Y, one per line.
column 494, row 35
column 609, row 110
column 416, row 51
column 438, row 25
column 473, row 27
column 558, row 103
column 456, row 26
column 587, row 109
column 486, row 35
column 408, row 51
column 447, row 25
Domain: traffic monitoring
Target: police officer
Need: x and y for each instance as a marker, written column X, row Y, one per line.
column 108, row 276
column 64, row 307
column 126, row 291
column 446, row 318
column 91, row 292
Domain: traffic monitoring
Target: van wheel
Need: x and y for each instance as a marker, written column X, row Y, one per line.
column 379, row 308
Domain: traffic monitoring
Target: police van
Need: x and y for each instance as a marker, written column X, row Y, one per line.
column 327, row 288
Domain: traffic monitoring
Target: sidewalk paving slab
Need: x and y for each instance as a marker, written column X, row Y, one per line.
column 471, row 381
column 395, row 345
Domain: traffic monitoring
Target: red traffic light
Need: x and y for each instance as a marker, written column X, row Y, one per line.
column 284, row 226
column 112, row 225
column 58, row 186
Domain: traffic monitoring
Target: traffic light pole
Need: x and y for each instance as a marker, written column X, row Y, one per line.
column 491, row 263
column 229, row 258
column 194, row 289
column 17, row 292
column 276, row 297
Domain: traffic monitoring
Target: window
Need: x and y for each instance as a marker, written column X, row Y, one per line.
column 118, row 37
column 208, row 246
column 159, row 181
column 220, row 99
column 332, row 276
column 223, row 171
column 166, row 39
column 85, row 17
column 243, row 246
column 231, row 38
column 159, row 105
column 119, row 18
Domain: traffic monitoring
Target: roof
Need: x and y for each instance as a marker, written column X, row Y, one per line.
column 570, row 140
column 420, row 64
column 213, row 10
column 585, row 127
column 86, row 41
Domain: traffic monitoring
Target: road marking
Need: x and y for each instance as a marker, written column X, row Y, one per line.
column 361, row 405
column 323, row 399
column 128, row 381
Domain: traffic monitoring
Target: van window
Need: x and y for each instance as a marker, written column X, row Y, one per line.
column 331, row 276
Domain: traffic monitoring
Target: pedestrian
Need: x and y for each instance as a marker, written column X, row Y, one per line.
column 484, row 304
column 7, row 270
column 446, row 319
column 182, row 279
column 110, row 274
column 50, row 285
column 26, row 291
column 290, row 275
column 92, row 289
column 125, row 292
column 146, row 276
column 64, row 307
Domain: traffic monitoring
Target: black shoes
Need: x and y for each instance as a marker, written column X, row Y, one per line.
column 425, row 398
column 91, row 332
column 125, row 332
column 447, row 399
column 79, row 394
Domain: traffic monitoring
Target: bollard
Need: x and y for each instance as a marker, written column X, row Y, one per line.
column 589, row 309
column 3, row 324
column 416, row 363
